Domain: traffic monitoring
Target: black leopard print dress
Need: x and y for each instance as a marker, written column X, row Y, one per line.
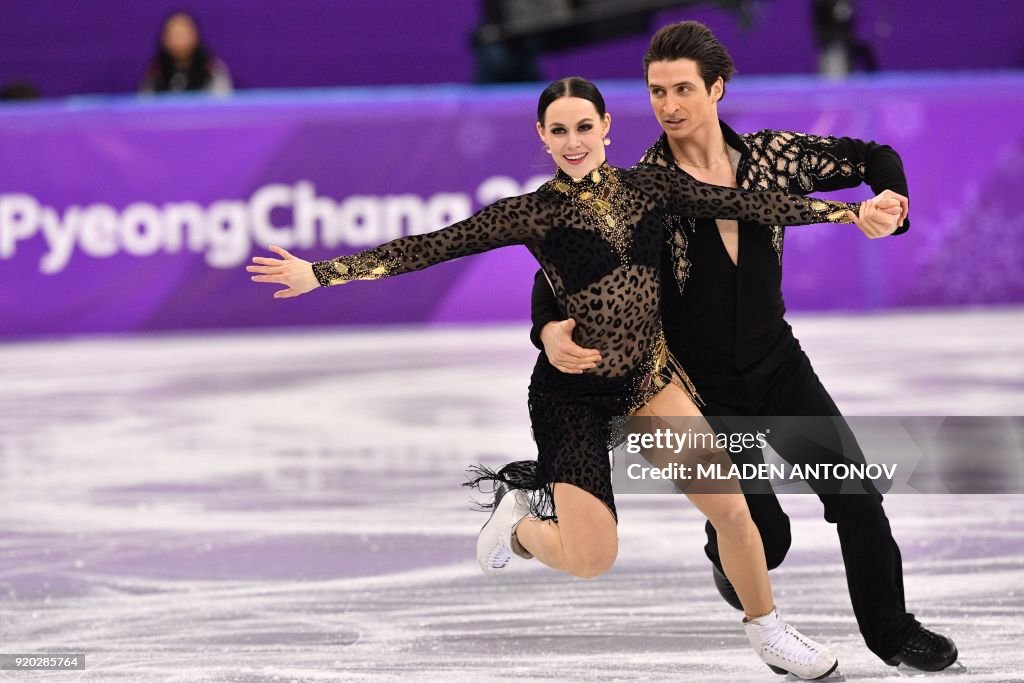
column 599, row 240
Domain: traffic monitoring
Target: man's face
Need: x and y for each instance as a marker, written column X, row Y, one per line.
column 679, row 98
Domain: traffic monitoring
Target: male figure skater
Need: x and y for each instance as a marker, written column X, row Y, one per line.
column 724, row 320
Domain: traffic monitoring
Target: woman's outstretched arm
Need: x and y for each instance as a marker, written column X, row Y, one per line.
column 682, row 194
column 516, row 220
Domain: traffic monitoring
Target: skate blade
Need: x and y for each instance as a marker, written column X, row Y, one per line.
column 954, row 669
column 833, row 677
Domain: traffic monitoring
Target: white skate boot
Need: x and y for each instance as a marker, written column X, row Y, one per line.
column 787, row 651
column 495, row 545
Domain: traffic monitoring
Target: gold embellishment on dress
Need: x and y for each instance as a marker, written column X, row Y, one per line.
column 665, row 360
column 365, row 266
column 660, row 368
column 660, row 362
column 834, row 212
column 598, row 196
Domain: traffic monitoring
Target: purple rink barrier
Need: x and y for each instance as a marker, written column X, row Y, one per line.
column 127, row 214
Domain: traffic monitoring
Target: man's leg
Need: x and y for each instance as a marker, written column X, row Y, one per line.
column 874, row 566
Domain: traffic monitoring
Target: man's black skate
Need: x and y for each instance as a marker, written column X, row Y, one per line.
column 925, row 650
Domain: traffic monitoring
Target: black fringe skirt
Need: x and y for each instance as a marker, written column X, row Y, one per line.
column 577, row 421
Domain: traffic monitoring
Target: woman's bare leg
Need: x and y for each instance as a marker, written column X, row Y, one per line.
column 738, row 539
column 743, row 561
column 583, row 542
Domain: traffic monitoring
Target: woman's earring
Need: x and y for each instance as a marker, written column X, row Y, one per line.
column 547, row 149
column 607, row 141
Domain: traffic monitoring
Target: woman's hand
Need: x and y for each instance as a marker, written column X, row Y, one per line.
column 881, row 215
column 295, row 273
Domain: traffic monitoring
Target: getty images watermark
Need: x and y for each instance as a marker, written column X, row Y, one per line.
column 853, row 455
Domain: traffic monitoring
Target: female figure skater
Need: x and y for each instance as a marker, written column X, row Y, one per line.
column 597, row 232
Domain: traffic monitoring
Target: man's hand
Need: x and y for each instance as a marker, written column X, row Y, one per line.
column 880, row 216
column 563, row 352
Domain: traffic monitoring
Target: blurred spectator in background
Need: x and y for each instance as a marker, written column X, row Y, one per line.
column 510, row 60
column 182, row 62
column 840, row 51
column 18, row 90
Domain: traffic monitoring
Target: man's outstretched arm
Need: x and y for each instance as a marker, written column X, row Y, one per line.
column 814, row 163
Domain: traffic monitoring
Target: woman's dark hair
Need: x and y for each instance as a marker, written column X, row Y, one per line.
column 198, row 73
column 574, row 86
column 691, row 40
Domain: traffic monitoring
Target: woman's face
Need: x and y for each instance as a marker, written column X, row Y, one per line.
column 181, row 37
column 575, row 132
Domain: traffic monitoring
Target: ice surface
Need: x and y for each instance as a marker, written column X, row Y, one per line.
column 286, row 507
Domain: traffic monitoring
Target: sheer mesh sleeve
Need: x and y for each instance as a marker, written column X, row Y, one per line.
column 516, row 220
column 682, row 194
column 810, row 163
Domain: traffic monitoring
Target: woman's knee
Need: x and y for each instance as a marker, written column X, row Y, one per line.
column 590, row 562
column 733, row 520
column 588, row 530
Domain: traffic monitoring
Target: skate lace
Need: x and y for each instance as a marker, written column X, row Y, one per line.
column 923, row 640
column 499, row 556
column 791, row 645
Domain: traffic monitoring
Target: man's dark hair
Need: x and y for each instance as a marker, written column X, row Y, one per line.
column 691, row 40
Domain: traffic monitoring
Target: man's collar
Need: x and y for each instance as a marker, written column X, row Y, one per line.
column 732, row 138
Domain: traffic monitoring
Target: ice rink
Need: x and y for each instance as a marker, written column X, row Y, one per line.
column 274, row 507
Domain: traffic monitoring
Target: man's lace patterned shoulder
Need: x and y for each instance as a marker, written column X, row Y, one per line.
column 654, row 156
column 794, row 161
